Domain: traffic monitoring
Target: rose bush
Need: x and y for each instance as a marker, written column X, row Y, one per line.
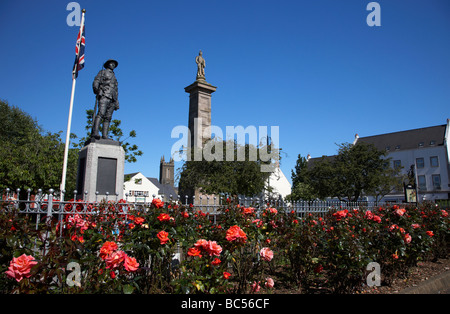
column 172, row 248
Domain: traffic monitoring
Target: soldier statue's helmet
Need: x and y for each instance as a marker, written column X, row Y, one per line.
column 111, row 61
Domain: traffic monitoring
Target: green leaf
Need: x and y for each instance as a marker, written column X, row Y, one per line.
column 128, row 289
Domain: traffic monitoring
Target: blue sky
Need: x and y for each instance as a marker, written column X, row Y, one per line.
column 313, row 68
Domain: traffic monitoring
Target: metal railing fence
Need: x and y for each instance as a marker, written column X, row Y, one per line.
column 50, row 205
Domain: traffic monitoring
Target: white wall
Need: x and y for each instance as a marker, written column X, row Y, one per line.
column 280, row 183
column 146, row 186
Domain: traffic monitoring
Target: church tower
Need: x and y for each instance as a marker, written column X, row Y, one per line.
column 167, row 171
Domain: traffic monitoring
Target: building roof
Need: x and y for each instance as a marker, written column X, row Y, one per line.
column 397, row 141
column 130, row 175
column 164, row 189
column 410, row 139
column 312, row 161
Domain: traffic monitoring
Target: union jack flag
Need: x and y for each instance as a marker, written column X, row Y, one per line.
column 79, row 50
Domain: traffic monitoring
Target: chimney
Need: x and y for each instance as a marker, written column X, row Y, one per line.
column 356, row 138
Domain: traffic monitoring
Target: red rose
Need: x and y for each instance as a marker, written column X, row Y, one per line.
column 163, row 237
column 163, row 217
column 20, row 267
column 139, row 220
column 131, row 264
column 115, row 259
column 272, row 210
column 107, row 248
column 213, row 248
column 376, row 218
column 248, row 210
column 236, row 234
column 407, row 238
column 194, row 251
column 340, row 214
column 209, row 247
column 158, row 203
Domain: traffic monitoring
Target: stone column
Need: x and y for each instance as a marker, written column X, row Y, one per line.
column 101, row 166
column 199, row 108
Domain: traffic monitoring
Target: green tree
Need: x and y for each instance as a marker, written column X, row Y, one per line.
column 131, row 150
column 390, row 180
column 232, row 177
column 301, row 188
column 356, row 170
column 29, row 157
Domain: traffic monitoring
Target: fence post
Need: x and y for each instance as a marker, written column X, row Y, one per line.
column 16, row 202
column 50, row 205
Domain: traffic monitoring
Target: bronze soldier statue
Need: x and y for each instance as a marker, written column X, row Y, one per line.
column 106, row 88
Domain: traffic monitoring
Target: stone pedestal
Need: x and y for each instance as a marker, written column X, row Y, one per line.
column 199, row 108
column 101, row 169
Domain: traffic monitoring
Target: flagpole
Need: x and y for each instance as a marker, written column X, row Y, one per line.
column 69, row 122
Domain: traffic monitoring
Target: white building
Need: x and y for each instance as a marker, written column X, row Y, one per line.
column 139, row 188
column 427, row 150
column 279, row 184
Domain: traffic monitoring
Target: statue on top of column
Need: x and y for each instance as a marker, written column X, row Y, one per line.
column 200, row 66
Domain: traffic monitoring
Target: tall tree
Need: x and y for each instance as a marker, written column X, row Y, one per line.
column 29, row 157
column 356, row 170
column 301, row 188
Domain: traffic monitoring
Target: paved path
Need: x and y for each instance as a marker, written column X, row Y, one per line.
column 439, row 284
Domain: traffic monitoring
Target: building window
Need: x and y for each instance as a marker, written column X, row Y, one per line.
column 420, row 162
column 432, row 143
column 397, row 164
column 434, row 161
column 436, row 181
column 397, row 147
column 422, row 183
column 421, row 144
column 139, row 193
column 138, row 181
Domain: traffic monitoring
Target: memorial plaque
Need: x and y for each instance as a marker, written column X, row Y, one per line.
column 106, row 175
